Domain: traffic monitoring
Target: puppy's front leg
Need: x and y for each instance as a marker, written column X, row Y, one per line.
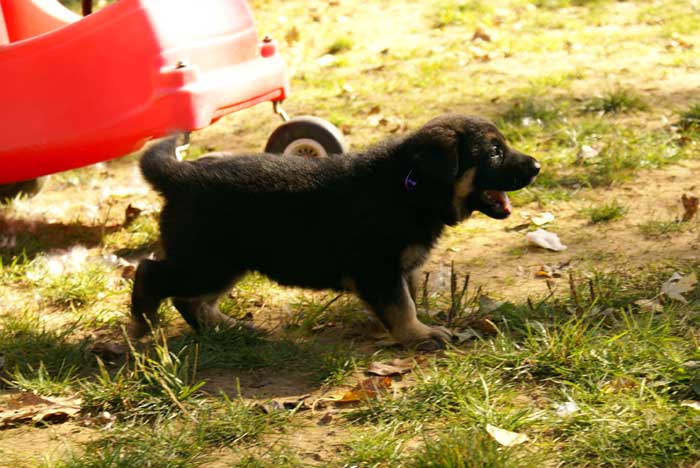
column 396, row 310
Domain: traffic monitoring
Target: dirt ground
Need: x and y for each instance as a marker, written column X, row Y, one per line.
column 496, row 254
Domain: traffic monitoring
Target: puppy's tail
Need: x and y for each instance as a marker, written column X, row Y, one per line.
column 160, row 167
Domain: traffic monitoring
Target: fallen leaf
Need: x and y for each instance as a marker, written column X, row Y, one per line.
column 587, row 152
column 368, row 388
column 481, row 34
column 486, row 326
column 466, row 334
column 690, row 205
column 649, row 305
column 543, row 273
column 292, row 35
column 506, row 438
column 395, row 367
column 326, row 419
column 545, row 239
column 27, row 407
column 691, row 404
column 552, row 271
column 542, row 218
column 677, row 285
column 566, row 409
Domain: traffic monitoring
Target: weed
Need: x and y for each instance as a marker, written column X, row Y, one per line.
column 659, row 228
column 342, row 44
column 689, row 120
column 530, row 111
column 152, row 384
column 383, row 445
column 458, row 12
column 229, row 422
column 468, row 449
column 41, row 381
column 616, row 101
column 172, row 445
column 39, row 357
column 606, row 212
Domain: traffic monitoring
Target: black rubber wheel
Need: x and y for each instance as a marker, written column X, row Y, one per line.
column 306, row 136
column 26, row 188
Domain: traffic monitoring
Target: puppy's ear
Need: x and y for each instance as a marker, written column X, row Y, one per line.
column 435, row 154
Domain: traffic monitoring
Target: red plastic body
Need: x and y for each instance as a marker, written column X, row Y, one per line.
column 75, row 91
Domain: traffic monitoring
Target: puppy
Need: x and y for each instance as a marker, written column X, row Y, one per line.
column 361, row 222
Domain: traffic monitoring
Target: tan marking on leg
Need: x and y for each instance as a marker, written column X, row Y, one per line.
column 403, row 325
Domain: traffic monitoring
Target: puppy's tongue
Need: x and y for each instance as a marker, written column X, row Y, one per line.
column 501, row 198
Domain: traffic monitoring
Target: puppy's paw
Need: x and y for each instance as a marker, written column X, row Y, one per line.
column 424, row 337
column 137, row 329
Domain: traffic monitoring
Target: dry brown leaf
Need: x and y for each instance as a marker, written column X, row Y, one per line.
column 326, row 419
column 691, row 404
column 505, row 437
column 292, row 35
column 486, row 326
column 543, row 273
column 27, row 407
column 368, row 388
column 690, row 205
column 395, row 367
column 482, row 34
column 677, row 285
column 649, row 305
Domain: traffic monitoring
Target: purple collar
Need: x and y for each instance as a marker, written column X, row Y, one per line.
column 409, row 183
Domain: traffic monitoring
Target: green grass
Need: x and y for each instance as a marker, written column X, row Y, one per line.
column 547, row 85
column 689, row 119
column 340, row 45
column 153, row 384
column 606, row 212
column 662, row 228
column 458, row 12
column 617, row 101
column 36, row 357
column 469, row 449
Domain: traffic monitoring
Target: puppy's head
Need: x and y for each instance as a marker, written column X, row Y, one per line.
column 468, row 157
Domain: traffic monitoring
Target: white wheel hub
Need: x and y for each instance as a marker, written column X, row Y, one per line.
column 305, row 147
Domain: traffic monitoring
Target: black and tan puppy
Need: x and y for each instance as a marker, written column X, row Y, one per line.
column 361, row 222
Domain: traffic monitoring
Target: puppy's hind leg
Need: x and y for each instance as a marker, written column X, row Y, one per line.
column 391, row 302
column 150, row 283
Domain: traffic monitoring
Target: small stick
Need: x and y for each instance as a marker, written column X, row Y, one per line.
column 426, row 306
column 591, row 287
column 574, row 293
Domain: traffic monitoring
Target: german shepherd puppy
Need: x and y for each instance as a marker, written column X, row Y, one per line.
column 362, row 222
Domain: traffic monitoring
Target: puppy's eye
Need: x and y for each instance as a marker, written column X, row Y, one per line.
column 496, row 154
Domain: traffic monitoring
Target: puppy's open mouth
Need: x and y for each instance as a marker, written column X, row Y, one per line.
column 493, row 203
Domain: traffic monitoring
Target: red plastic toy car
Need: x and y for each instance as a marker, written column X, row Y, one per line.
column 75, row 91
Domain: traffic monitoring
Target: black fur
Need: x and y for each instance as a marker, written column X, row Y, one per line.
column 352, row 222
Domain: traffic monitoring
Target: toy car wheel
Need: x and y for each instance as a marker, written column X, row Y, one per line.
column 25, row 188
column 306, row 136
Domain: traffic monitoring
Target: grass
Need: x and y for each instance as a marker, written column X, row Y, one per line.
column 662, row 228
column 616, row 101
column 468, row 449
column 625, row 369
column 606, row 212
